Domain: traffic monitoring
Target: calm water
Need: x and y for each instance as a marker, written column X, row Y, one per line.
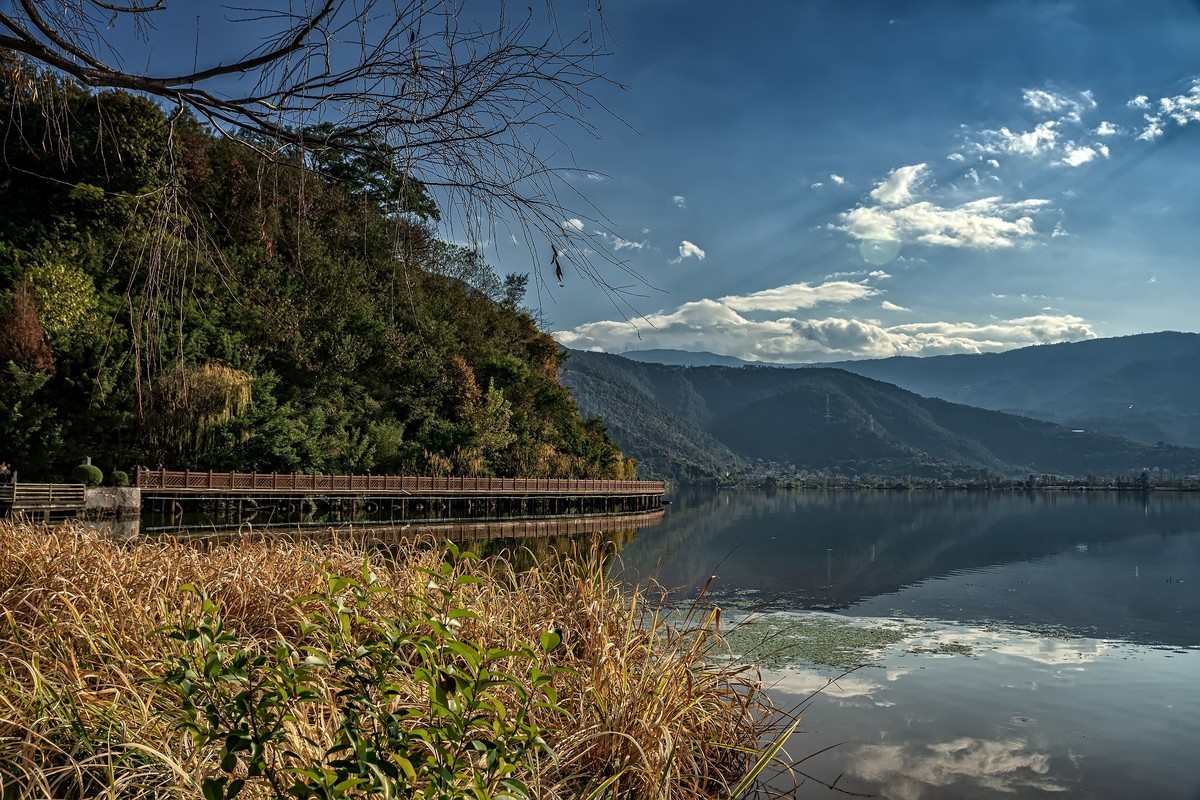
column 1050, row 643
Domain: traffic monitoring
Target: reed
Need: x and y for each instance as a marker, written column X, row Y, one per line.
column 265, row 667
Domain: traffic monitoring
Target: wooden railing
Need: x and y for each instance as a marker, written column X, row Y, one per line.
column 259, row 482
column 42, row 496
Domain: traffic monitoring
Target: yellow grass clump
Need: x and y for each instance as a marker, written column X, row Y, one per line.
column 423, row 672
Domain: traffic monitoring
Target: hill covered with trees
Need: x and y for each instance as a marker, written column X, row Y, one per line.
column 168, row 295
column 830, row 419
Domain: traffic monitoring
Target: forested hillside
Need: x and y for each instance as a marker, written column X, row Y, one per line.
column 652, row 412
column 171, row 296
column 829, row 419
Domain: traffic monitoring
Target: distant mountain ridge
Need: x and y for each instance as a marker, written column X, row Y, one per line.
column 692, row 422
column 1144, row 386
column 685, row 358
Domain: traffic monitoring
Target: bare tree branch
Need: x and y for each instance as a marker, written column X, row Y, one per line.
column 464, row 107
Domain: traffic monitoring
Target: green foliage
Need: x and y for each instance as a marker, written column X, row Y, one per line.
column 472, row 738
column 65, row 295
column 87, row 474
column 206, row 308
column 118, row 478
column 29, row 427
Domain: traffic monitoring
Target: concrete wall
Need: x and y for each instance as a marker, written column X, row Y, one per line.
column 116, row 500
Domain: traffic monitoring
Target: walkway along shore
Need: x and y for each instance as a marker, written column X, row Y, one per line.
column 164, row 489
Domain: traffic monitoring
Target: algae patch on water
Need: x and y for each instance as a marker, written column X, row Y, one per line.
column 943, row 649
column 780, row 640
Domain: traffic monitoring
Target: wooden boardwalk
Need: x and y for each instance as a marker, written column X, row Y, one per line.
column 400, row 531
column 162, row 482
column 41, row 500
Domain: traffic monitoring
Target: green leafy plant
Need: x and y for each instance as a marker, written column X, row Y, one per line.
column 87, row 474
column 254, row 711
column 118, row 478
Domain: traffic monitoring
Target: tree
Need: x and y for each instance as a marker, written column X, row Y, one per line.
column 416, row 88
column 22, row 338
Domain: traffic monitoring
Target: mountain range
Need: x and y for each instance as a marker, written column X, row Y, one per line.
column 704, row 421
column 1143, row 387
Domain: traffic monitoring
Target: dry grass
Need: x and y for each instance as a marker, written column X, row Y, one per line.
column 646, row 711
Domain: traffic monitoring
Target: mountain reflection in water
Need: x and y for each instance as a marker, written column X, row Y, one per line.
column 1103, row 565
column 1050, row 642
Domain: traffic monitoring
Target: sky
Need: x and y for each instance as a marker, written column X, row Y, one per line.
column 816, row 181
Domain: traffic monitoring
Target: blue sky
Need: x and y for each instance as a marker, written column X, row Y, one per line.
column 818, row 180
column 809, row 181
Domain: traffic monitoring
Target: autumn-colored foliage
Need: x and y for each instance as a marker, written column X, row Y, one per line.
column 22, row 339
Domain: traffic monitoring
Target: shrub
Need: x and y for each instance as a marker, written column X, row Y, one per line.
column 118, row 478
column 88, row 475
column 331, row 667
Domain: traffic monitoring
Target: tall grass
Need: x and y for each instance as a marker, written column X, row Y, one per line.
column 609, row 696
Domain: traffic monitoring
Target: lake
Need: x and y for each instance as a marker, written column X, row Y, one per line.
column 1016, row 644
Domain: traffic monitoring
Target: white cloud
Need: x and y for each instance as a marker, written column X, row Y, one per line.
column 888, row 305
column 679, row 200
column 1051, row 138
column 956, row 157
column 1081, row 155
column 799, row 295
column 838, row 179
column 1043, row 138
column 987, row 223
column 993, row 163
column 1182, row 109
column 618, row 243
column 591, row 176
column 897, row 187
column 1067, row 107
column 1152, row 131
column 816, row 185
column 572, row 224
column 1141, row 101
column 1023, row 297
column 688, row 250
column 714, row 326
column 865, row 275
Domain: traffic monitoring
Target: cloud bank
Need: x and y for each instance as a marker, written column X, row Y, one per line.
column 743, row 326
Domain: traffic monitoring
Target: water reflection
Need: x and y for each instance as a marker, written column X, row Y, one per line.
column 1100, row 565
column 966, row 764
column 1005, row 713
column 524, row 542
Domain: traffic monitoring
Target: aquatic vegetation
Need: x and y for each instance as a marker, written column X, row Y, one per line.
column 942, row 649
column 778, row 640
